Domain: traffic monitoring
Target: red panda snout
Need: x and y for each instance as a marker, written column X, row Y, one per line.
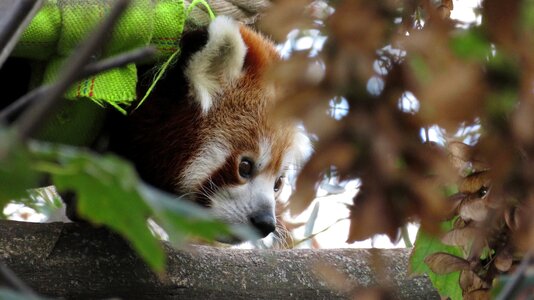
column 264, row 222
column 243, row 190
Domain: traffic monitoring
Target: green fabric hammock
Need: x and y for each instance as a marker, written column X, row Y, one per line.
column 61, row 25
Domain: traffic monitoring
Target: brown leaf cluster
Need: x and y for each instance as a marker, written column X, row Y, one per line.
column 379, row 141
column 492, row 225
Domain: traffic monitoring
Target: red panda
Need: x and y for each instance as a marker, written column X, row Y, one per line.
column 207, row 132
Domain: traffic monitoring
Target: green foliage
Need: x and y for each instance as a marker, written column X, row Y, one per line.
column 427, row 244
column 471, row 44
column 109, row 193
column 420, row 69
column 527, row 14
column 16, row 173
column 106, row 190
column 182, row 218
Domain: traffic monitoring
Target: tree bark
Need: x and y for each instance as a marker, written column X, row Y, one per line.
column 76, row 261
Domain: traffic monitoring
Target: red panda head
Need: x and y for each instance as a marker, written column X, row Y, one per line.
column 207, row 132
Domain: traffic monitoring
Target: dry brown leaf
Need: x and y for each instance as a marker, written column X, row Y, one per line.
column 466, row 279
column 445, row 263
column 509, row 219
column 333, row 277
column 476, row 210
column 502, row 19
column 460, row 223
column 456, row 200
column 503, row 261
column 522, row 218
column 461, row 237
column 429, row 198
column 338, row 154
column 475, row 182
column 522, row 121
column 469, row 281
column 355, row 56
column 482, row 294
column 476, row 250
column 478, row 164
column 459, row 154
column 364, row 222
column 450, row 85
column 285, row 16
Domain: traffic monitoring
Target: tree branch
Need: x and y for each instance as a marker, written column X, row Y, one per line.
column 79, row 262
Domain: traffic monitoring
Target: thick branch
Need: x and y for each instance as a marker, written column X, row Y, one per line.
column 78, row 262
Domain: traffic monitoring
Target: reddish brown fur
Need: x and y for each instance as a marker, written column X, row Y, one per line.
column 169, row 131
column 242, row 114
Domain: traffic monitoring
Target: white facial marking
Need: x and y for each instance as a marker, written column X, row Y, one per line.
column 219, row 63
column 211, row 156
column 264, row 156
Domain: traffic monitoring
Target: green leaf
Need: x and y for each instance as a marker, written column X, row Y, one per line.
column 16, row 172
column 110, row 193
column 420, row 69
column 527, row 15
column 426, row 245
column 106, row 189
column 471, row 44
column 181, row 218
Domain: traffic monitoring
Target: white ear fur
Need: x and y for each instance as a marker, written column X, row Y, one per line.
column 220, row 62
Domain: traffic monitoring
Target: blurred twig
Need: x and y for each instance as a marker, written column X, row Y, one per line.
column 406, row 236
column 15, row 15
column 309, row 237
column 308, row 229
column 517, row 278
column 137, row 55
column 10, row 279
column 33, row 118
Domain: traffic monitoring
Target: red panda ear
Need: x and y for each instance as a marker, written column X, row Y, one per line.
column 261, row 52
column 219, row 63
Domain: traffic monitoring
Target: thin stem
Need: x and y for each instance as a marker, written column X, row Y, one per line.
column 517, row 278
column 406, row 236
column 317, row 233
column 14, row 282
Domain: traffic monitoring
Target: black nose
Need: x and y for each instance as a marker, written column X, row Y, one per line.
column 264, row 222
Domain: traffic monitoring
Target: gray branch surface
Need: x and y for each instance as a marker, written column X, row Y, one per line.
column 76, row 261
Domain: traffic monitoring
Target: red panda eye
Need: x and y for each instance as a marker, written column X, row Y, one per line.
column 245, row 168
column 278, row 184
